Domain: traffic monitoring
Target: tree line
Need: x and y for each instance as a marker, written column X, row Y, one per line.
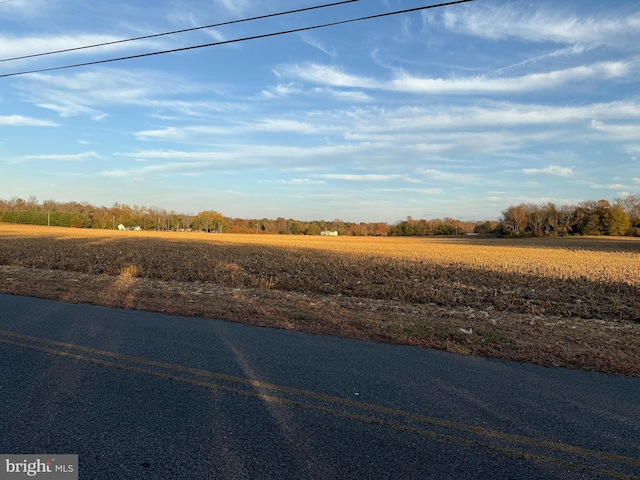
column 622, row 217
column 86, row 215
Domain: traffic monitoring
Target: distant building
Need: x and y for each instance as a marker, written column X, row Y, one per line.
column 136, row 227
column 331, row 233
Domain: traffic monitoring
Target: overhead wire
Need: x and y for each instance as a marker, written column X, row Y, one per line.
column 185, row 30
column 236, row 40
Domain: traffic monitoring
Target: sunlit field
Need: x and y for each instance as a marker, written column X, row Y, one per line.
column 407, row 285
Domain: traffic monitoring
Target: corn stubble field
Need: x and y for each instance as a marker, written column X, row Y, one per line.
column 566, row 301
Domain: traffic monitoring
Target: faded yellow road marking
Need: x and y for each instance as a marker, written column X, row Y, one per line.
column 18, row 339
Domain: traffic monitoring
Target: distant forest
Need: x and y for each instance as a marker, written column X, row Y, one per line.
column 622, row 217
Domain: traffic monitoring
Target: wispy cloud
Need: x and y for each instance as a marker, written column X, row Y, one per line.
column 237, row 7
column 448, row 177
column 22, row 121
column 92, row 92
column 12, row 46
column 291, row 89
column 27, row 8
column 313, row 42
column 115, row 173
column 405, row 82
column 70, row 157
column 550, row 170
column 285, row 125
column 175, row 155
column 525, row 83
column 503, row 21
column 623, row 132
column 329, row 75
column 182, row 134
column 369, row 177
column 301, row 181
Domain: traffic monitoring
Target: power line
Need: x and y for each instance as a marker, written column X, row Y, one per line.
column 236, row 40
column 231, row 22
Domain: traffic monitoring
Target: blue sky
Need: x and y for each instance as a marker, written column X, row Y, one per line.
column 459, row 111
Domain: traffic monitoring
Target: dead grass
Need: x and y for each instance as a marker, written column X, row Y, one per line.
column 568, row 301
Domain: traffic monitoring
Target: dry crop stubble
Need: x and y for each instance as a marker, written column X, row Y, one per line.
column 566, row 301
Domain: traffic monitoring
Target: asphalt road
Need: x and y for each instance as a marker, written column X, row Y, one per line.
column 141, row 395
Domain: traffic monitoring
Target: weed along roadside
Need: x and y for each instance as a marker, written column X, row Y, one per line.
column 571, row 302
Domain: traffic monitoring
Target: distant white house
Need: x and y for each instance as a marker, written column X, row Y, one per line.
column 332, row 233
column 122, row 227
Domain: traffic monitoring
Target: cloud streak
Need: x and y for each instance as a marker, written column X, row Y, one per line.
column 404, row 82
column 22, row 121
column 540, row 23
column 61, row 157
column 554, row 170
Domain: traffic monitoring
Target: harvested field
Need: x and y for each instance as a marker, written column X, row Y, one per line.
column 566, row 301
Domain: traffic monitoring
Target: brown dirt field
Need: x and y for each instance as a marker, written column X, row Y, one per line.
column 569, row 302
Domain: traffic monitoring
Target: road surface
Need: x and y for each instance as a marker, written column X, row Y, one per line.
column 140, row 395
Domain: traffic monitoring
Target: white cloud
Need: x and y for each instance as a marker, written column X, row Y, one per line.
column 333, row 76
column 72, row 157
column 285, row 125
column 361, row 177
column 302, row 181
column 13, row 46
column 422, row 191
column 570, row 51
column 344, row 95
column 22, row 121
column 501, row 85
column 282, row 90
column 27, row 8
column 326, row 75
column 178, row 134
column 449, row 177
column 237, row 7
column 88, row 92
column 632, row 149
column 215, row 35
column 550, row 170
column 311, row 41
column 239, row 155
column 628, row 132
column 175, row 155
column 69, row 109
column 400, row 123
column 503, row 21
column 114, row 173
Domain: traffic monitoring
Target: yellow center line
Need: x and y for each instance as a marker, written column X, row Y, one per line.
column 328, row 398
